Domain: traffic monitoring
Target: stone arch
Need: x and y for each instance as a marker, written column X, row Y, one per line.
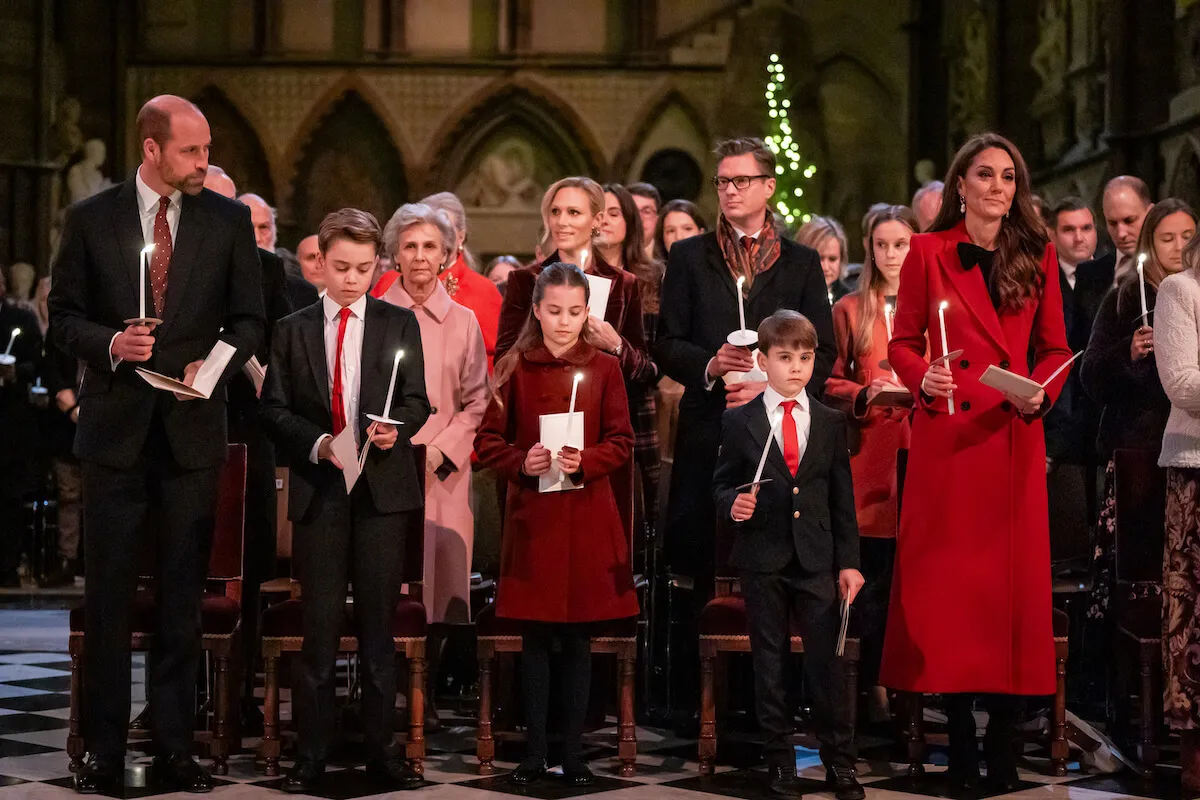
column 1185, row 177
column 644, row 122
column 236, row 147
column 348, row 158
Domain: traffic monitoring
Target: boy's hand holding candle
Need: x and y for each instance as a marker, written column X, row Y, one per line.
column 744, row 505
column 384, row 436
column 537, row 461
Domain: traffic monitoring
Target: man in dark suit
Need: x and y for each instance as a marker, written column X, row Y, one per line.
column 141, row 447
column 1126, row 202
column 699, row 311
column 795, row 547
column 18, row 428
column 331, row 364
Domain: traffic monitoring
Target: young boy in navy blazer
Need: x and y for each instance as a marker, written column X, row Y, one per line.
column 330, row 365
column 795, row 545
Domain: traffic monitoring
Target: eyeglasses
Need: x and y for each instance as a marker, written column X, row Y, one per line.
column 740, row 182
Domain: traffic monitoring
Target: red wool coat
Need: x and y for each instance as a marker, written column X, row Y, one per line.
column 564, row 556
column 970, row 608
column 876, row 432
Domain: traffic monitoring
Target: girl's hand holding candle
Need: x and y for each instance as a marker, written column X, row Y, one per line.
column 570, row 460
column 537, row 461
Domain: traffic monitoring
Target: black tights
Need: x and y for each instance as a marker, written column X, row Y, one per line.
column 960, row 723
column 575, row 648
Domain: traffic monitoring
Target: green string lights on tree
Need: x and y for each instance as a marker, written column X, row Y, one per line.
column 792, row 177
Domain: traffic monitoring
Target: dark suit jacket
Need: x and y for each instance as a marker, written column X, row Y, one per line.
column 295, row 407
column 1073, row 420
column 21, row 454
column 243, row 402
column 300, row 292
column 824, row 537
column 213, row 292
column 624, row 313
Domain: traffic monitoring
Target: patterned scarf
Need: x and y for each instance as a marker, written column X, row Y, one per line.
column 759, row 257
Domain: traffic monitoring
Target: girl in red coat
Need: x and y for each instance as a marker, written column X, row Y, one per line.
column 970, row 611
column 862, row 324
column 564, row 556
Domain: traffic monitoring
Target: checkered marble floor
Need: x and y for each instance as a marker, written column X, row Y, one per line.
column 33, row 764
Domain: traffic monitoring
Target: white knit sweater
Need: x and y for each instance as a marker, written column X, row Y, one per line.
column 1177, row 351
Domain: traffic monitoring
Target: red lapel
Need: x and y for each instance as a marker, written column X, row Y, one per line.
column 970, row 287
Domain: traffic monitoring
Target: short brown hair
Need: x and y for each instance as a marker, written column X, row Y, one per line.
column 154, row 118
column 1133, row 183
column 349, row 223
column 747, row 144
column 787, row 328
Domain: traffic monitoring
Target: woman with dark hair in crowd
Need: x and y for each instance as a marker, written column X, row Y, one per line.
column 828, row 238
column 1120, row 372
column 862, row 324
column 678, row 219
column 498, row 269
column 970, row 611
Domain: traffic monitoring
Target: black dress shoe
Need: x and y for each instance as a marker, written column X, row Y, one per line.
column 528, row 771
column 101, row 775
column 395, row 772
column 784, row 783
column 182, row 773
column 576, row 772
column 303, row 778
column 142, row 721
column 843, row 782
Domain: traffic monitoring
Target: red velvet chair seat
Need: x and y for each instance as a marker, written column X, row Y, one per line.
column 286, row 620
column 219, row 615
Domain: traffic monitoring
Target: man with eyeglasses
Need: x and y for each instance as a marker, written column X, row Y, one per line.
column 699, row 311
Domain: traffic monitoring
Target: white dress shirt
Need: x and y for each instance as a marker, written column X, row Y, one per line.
column 1068, row 271
column 773, row 400
column 351, row 360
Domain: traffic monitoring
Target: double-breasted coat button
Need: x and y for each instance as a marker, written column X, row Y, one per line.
column 795, row 515
column 1003, row 365
column 795, row 490
column 964, row 364
column 1005, row 406
column 965, row 405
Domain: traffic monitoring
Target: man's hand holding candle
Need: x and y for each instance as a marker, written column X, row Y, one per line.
column 135, row 344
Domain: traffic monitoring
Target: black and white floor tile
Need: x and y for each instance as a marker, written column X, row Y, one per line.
column 33, row 762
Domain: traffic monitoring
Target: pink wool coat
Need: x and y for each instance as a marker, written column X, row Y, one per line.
column 456, row 380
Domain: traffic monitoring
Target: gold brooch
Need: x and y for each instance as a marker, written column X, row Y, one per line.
column 451, row 283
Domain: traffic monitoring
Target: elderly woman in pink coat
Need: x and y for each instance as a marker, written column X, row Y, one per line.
column 421, row 241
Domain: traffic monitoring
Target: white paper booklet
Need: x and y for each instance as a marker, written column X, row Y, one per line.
column 553, row 436
column 206, row 378
column 599, row 290
column 347, row 452
column 1005, row 381
column 256, row 372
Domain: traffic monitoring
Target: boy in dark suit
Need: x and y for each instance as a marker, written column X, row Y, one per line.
column 331, row 364
column 796, row 546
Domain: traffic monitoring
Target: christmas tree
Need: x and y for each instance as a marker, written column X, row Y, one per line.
column 792, row 176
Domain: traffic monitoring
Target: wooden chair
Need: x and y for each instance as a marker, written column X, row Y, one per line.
column 220, row 618
column 1136, row 604
column 283, row 632
column 724, row 629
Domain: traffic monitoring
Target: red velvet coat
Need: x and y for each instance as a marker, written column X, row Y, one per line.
column 876, row 432
column 564, row 556
column 970, row 608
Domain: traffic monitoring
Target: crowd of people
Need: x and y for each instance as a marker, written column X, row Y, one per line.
column 797, row 382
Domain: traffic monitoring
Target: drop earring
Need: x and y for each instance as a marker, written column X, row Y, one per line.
column 962, row 204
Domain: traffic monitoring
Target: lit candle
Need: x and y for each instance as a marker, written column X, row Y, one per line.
column 829, row 294
column 762, row 462
column 142, row 283
column 945, row 350
column 1142, row 284
column 387, row 409
column 741, row 303
column 583, row 259
column 888, row 311
column 12, row 338
column 571, row 408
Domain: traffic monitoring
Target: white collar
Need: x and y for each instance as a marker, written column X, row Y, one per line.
column 773, row 399
column 148, row 198
column 1068, row 269
column 742, row 234
column 358, row 308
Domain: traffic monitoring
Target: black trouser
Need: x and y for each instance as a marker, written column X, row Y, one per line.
column 12, row 530
column 812, row 599
column 575, row 677
column 258, row 543
column 345, row 539
column 871, row 605
column 116, row 504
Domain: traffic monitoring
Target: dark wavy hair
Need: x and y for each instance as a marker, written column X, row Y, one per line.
column 682, row 206
column 1021, row 244
column 633, row 255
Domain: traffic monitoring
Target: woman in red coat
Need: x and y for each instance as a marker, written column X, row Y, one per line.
column 970, row 610
column 564, row 556
column 862, row 323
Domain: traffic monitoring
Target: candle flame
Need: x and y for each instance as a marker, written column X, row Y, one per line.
column 1141, row 259
column 887, row 308
column 578, row 377
column 399, row 354
column 148, row 249
column 943, row 306
column 16, row 332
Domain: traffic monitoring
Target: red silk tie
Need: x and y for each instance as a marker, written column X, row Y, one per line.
column 160, row 259
column 791, row 437
column 338, row 403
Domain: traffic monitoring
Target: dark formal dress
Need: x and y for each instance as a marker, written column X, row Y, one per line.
column 141, row 447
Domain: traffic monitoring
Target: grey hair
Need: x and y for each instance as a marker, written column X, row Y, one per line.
column 411, row 214
column 929, row 188
column 449, row 203
column 257, row 198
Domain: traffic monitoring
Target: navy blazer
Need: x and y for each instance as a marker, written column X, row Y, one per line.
column 810, row 515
